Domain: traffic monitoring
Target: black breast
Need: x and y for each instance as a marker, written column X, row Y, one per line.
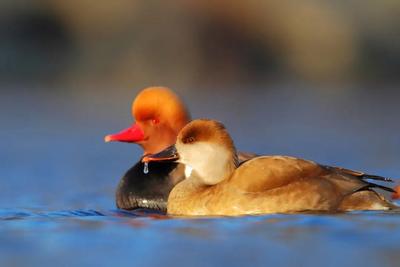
column 147, row 190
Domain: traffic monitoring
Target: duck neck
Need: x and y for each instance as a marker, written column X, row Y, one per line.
column 159, row 142
column 154, row 148
column 213, row 173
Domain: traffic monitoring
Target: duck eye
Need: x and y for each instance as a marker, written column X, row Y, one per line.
column 189, row 140
column 155, row 121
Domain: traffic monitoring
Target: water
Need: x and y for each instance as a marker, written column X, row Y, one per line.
column 58, row 178
column 87, row 237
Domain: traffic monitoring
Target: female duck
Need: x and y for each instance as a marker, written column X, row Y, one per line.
column 217, row 184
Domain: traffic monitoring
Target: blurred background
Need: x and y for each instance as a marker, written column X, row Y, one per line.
column 316, row 79
column 190, row 43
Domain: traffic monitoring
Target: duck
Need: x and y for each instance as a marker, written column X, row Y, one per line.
column 159, row 115
column 218, row 185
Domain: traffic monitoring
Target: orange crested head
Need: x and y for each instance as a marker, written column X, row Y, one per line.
column 162, row 105
column 159, row 114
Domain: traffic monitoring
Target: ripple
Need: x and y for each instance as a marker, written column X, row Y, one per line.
column 12, row 214
column 27, row 214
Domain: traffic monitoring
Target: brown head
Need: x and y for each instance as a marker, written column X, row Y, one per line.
column 206, row 148
column 159, row 116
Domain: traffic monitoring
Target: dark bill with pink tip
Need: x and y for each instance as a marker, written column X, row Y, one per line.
column 168, row 154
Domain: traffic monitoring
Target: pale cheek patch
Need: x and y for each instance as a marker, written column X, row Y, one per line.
column 209, row 161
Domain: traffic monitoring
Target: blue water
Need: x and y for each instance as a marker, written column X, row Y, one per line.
column 88, row 237
column 57, row 180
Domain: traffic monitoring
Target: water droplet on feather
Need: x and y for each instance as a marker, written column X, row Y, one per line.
column 146, row 168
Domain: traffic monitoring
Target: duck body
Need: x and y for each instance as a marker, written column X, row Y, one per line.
column 219, row 186
column 275, row 184
column 150, row 190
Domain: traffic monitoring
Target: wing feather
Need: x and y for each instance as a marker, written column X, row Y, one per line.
column 269, row 172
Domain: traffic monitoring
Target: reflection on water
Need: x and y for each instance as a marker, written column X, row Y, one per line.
column 58, row 180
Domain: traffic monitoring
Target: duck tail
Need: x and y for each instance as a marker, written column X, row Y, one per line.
column 376, row 177
column 373, row 185
column 370, row 185
column 365, row 177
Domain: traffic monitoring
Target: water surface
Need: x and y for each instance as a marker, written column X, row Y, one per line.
column 88, row 237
